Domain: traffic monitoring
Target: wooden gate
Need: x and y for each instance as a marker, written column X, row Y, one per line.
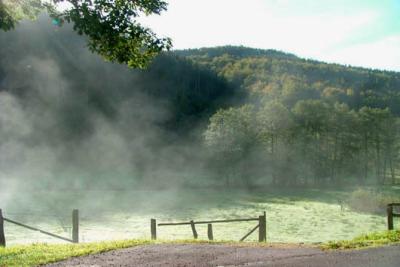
column 75, row 228
column 261, row 226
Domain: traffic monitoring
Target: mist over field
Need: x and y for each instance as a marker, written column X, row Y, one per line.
column 225, row 132
column 70, row 120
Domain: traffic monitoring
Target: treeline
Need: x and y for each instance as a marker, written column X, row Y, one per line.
column 313, row 143
column 303, row 121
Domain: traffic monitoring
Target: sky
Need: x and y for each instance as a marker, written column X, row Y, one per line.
column 362, row 33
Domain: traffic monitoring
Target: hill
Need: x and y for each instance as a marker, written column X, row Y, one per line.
column 303, row 121
column 275, row 74
column 264, row 109
column 39, row 60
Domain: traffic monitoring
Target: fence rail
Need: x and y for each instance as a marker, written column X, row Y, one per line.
column 391, row 214
column 75, row 228
column 261, row 226
column 207, row 222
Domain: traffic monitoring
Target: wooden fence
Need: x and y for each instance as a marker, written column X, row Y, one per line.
column 75, row 228
column 261, row 226
column 391, row 214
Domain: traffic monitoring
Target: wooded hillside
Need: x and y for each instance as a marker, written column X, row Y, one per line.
column 243, row 115
column 303, row 121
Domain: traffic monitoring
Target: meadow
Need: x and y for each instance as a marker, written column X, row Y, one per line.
column 293, row 216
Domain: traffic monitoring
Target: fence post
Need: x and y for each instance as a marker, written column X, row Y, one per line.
column 390, row 216
column 262, row 229
column 75, row 226
column 193, row 229
column 2, row 236
column 210, row 232
column 153, row 229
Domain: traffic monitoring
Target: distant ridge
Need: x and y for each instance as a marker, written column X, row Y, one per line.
column 236, row 51
column 243, row 52
column 274, row 74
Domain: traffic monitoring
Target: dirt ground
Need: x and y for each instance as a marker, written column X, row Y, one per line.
column 185, row 255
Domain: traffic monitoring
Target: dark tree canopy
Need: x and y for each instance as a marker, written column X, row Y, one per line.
column 111, row 25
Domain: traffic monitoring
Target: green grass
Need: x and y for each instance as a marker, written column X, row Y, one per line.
column 368, row 240
column 43, row 253
column 293, row 216
column 36, row 254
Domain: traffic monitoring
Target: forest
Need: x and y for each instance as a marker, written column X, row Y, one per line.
column 303, row 122
column 234, row 116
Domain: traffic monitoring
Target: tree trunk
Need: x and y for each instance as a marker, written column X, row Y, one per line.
column 365, row 157
column 378, row 159
column 392, row 171
column 333, row 166
column 384, row 170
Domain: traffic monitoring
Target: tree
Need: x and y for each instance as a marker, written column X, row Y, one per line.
column 379, row 140
column 231, row 135
column 11, row 11
column 342, row 148
column 110, row 25
column 312, row 119
column 275, row 122
column 390, row 132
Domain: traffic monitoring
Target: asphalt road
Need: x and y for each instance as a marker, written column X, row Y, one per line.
column 226, row 255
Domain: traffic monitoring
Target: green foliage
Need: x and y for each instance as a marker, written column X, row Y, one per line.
column 274, row 74
column 110, row 25
column 231, row 130
column 274, row 119
column 11, row 11
column 314, row 141
column 317, row 122
column 312, row 115
column 113, row 31
column 231, row 135
column 365, row 241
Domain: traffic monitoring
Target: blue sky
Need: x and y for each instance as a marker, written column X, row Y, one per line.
column 353, row 32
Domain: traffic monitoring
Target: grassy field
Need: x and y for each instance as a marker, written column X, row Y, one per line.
column 309, row 216
column 35, row 254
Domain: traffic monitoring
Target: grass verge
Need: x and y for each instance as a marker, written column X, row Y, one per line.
column 368, row 240
column 36, row 254
column 42, row 253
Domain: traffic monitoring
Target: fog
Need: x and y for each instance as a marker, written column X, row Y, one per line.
column 70, row 121
column 175, row 142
